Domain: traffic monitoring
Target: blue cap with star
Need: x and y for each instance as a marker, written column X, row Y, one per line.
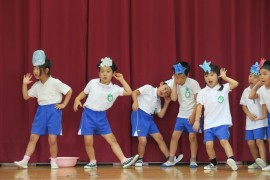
column 179, row 69
column 206, row 66
column 254, row 69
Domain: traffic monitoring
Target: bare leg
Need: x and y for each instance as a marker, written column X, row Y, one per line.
column 161, row 143
column 53, row 145
column 141, row 145
column 110, row 138
column 32, row 144
column 88, row 142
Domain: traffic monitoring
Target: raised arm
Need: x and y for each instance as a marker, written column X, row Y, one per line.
column 233, row 83
column 120, row 78
column 26, row 80
column 162, row 113
column 253, row 93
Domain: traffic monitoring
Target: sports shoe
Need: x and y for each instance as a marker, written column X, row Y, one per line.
column 21, row 164
column 193, row 165
column 254, row 166
column 210, row 167
column 90, row 165
column 232, row 164
column 139, row 163
column 178, row 159
column 261, row 163
column 267, row 168
column 168, row 164
column 130, row 161
column 54, row 165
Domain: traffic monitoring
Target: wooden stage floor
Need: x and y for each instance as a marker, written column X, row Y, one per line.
column 133, row 173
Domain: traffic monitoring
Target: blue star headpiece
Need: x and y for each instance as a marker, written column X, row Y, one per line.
column 179, row 69
column 38, row 58
column 206, row 66
column 255, row 69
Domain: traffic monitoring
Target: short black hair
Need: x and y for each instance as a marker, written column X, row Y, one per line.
column 266, row 65
column 185, row 65
column 47, row 64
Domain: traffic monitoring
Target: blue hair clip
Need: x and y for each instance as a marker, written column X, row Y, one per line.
column 255, row 69
column 179, row 69
column 206, row 66
column 38, row 58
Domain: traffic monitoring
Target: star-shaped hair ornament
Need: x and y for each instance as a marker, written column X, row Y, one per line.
column 262, row 62
column 179, row 69
column 105, row 62
column 206, row 66
column 255, row 69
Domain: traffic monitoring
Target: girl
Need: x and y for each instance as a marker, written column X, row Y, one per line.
column 48, row 92
column 217, row 117
column 101, row 96
column 255, row 128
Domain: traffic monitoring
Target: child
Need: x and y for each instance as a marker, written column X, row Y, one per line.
column 184, row 89
column 217, row 117
column 101, row 96
column 264, row 94
column 255, row 129
column 48, row 92
column 146, row 102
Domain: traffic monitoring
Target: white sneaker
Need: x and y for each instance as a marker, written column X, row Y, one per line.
column 261, row 163
column 266, row 168
column 90, row 165
column 21, row 164
column 193, row 164
column 254, row 166
column 54, row 165
column 168, row 164
column 232, row 164
column 210, row 167
column 130, row 161
column 139, row 163
column 178, row 159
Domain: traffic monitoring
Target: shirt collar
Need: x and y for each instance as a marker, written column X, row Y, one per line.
column 105, row 85
column 216, row 87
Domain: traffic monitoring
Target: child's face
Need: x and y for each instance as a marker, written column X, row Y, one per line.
column 253, row 79
column 105, row 74
column 180, row 79
column 265, row 77
column 36, row 72
column 211, row 79
column 164, row 91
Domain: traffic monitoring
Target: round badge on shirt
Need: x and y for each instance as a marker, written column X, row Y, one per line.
column 220, row 99
column 110, row 97
column 187, row 93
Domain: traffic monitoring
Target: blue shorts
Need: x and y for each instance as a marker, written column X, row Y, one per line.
column 142, row 124
column 94, row 122
column 254, row 134
column 47, row 118
column 220, row 132
column 268, row 128
column 182, row 124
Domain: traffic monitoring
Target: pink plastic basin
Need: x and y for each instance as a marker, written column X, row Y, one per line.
column 67, row 161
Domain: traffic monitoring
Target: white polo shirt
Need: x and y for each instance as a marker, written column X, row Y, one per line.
column 254, row 108
column 148, row 100
column 216, row 106
column 264, row 97
column 50, row 92
column 101, row 96
column 185, row 95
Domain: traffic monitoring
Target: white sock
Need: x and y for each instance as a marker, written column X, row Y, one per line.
column 25, row 159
